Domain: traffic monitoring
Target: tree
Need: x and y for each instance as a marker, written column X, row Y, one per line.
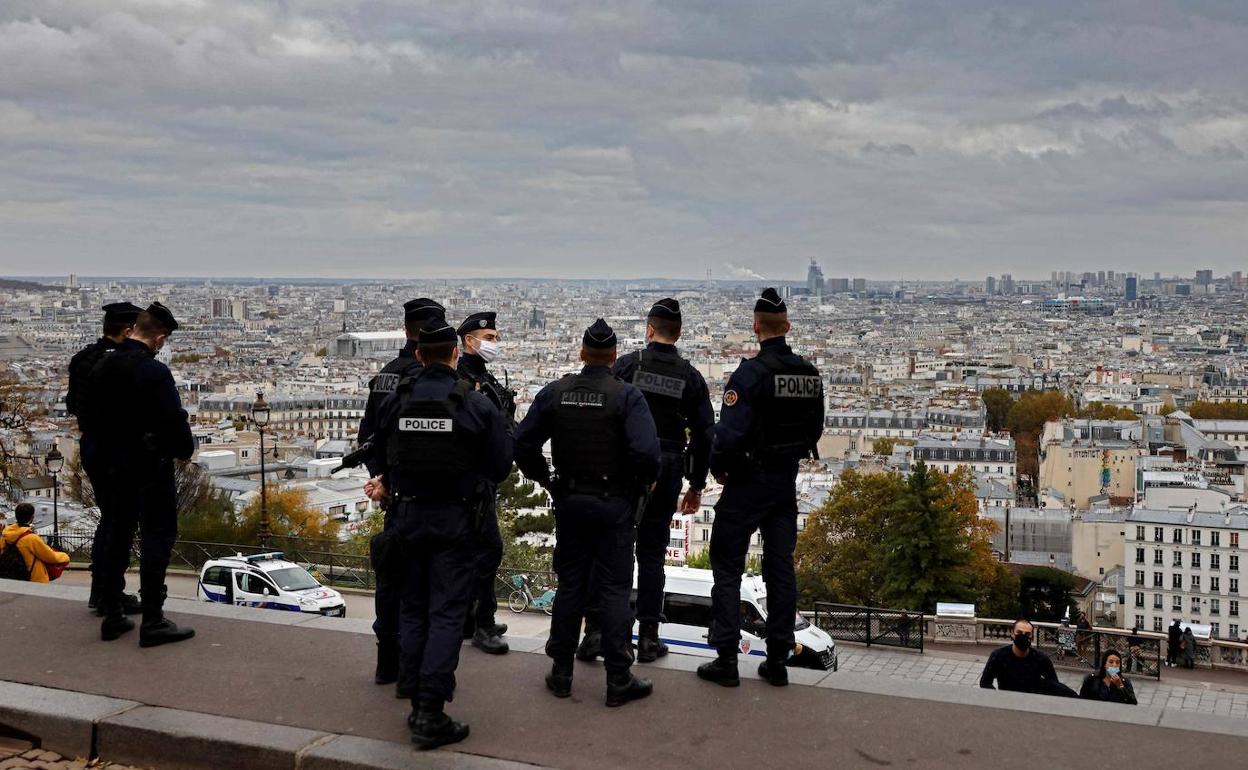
column 516, row 493
column 77, row 485
column 204, row 513
column 290, row 515
column 997, row 403
column 1044, row 594
column 1026, row 422
column 883, row 446
column 1168, row 408
column 1001, row 598
column 1222, row 410
column 1099, row 410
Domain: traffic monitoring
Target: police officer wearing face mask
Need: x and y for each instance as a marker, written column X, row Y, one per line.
column 681, row 406
column 384, row 556
column 119, row 318
column 480, row 345
column 606, row 455
column 142, row 427
column 444, row 447
column 771, row 419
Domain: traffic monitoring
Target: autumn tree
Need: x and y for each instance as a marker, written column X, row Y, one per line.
column 997, row 403
column 1099, row 410
column 1026, row 423
column 883, row 446
column 204, row 513
column 1220, row 410
column 77, row 486
column 290, row 515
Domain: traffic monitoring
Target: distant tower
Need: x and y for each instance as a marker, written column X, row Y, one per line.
column 1130, row 292
column 814, row 278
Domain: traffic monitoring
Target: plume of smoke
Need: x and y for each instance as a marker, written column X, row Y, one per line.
column 744, row 272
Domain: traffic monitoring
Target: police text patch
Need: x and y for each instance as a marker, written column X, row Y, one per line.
column 581, row 398
column 427, row 424
column 385, row 383
column 658, row 384
column 798, row 386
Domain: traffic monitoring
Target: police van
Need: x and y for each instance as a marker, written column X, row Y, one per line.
column 268, row 581
column 687, row 607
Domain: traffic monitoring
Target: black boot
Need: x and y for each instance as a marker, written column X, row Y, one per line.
column 115, row 624
column 431, row 727
column 775, row 672
column 559, row 680
column 649, row 647
column 130, row 604
column 591, row 647
column 486, row 642
column 622, row 688
column 498, row 629
column 157, row 630
column 387, row 662
column 722, row 670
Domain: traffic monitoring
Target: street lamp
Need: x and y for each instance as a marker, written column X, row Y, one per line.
column 260, row 416
column 55, row 463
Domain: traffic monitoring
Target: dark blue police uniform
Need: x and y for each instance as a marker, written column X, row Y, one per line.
column 605, row 455
column 442, row 445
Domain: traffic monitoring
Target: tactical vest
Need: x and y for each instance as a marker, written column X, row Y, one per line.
column 587, row 436
column 429, row 442
column 80, row 373
column 662, row 377
column 111, row 401
column 789, row 419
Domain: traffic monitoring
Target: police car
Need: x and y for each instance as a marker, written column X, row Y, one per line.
column 268, row 581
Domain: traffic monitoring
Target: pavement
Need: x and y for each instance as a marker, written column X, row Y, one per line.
column 300, row 689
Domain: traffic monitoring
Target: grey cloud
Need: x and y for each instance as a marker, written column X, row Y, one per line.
column 898, row 149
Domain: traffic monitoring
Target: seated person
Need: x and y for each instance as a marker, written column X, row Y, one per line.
column 1108, row 683
column 35, row 553
column 1020, row 668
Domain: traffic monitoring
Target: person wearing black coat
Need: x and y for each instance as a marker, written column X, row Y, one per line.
column 1172, row 643
column 1108, row 683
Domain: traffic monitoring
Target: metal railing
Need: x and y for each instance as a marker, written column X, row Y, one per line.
column 871, row 625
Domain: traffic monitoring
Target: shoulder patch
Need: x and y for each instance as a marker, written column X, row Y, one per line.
column 730, row 398
column 385, row 383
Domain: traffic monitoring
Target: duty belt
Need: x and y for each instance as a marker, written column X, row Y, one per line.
column 604, row 487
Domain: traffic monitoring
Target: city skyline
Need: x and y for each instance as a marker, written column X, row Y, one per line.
column 478, row 140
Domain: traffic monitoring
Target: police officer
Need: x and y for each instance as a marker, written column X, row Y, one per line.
column 772, row 417
column 443, row 447
column 480, row 346
column 606, row 455
column 119, row 318
column 384, row 556
column 142, row 429
column 681, row 406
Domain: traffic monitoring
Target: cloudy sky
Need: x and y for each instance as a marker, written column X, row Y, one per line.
column 887, row 138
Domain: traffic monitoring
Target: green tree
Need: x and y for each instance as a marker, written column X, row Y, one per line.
column 997, row 403
column 924, row 546
column 1026, row 422
column 516, row 493
column 1099, row 410
column 1001, row 599
column 883, row 446
column 1220, row 410
column 1044, row 594
column 1168, row 408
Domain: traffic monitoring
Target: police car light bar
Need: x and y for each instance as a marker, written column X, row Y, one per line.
column 270, row 556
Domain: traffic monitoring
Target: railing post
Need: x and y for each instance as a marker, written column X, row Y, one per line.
column 868, row 626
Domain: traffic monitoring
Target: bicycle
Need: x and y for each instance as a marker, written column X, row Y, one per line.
column 522, row 597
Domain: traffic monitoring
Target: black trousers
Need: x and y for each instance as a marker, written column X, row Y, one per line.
column 595, row 537
column 482, row 596
column 97, row 473
column 762, row 501
column 143, row 497
column 437, row 551
column 386, row 556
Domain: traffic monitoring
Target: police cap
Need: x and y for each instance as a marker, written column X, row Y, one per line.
column 665, row 308
column 163, row 316
column 599, row 335
column 477, row 321
column 770, row 302
column 436, row 330
column 121, row 312
column 423, row 308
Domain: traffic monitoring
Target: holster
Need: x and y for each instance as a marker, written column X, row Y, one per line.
column 384, row 552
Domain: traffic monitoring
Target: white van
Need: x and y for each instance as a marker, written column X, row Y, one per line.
column 687, row 607
column 268, row 581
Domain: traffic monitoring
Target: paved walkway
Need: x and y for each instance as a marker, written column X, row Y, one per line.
column 13, row 757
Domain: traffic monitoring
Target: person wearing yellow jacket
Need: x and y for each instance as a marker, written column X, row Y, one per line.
column 34, row 551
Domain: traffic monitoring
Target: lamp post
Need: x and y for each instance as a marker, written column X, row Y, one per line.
column 55, row 463
column 260, row 416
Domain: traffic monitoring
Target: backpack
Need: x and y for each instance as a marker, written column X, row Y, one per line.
column 12, row 563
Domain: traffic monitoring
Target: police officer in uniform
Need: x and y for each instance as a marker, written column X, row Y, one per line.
column 119, row 318
column 772, row 418
column 681, row 406
column 416, row 313
column 479, row 343
column 606, row 456
column 142, row 430
column 444, row 447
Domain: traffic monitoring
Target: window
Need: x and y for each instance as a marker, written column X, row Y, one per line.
column 1234, row 630
column 1178, row 559
column 1215, row 539
column 1233, row 585
column 1157, row 557
column 1156, row 601
column 1195, row 560
column 1139, row 532
column 1139, row 621
column 1195, row 537
column 1214, row 630
column 254, row 584
column 688, row 610
column 217, row 576
column 1139, row 599
column 1158, row 580
column 1195, row 583
column 1176, row 536
column 1139, row 555
column 1176, row 582
column 1157, row 624
column 1159, row 535
column 752, row 621
column 1215, row 607
column 1139, row 577
column 1234, row 563
column 1232, row 607
column 1234, row 539
column 1214, row 585
column 1195, row 605
column 1176, row 603
column 1215, row 561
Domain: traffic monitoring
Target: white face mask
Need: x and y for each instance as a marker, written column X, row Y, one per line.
column 488, row 350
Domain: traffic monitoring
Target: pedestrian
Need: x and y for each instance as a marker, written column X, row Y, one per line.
column 1019, row 667
column 1174, row 639
column 606, row 456
column 1188, row 645
column 1083, row 635
column 1108, row 683
column 772, row 418
column 119, row 318
column 480, row 346
column 442, row 445
column 680, row 403
column 383, row 550
column 23, row 554
column 143, row 430
column 1135, row 651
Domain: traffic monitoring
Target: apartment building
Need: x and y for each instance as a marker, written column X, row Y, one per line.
column 334, row 416
column 993, row 457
